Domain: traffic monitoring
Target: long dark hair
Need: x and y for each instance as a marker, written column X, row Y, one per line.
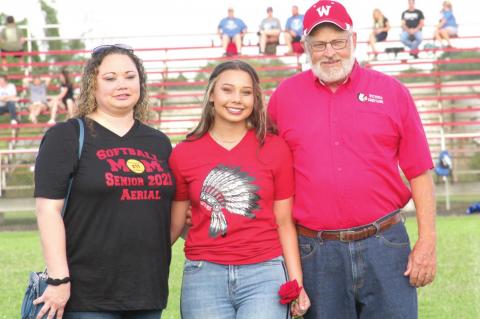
column 257, row 120
column 66, row 78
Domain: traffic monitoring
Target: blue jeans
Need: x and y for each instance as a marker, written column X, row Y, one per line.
column 359, row 279
column 413, row 44
column 217, row 291
column 140, row 314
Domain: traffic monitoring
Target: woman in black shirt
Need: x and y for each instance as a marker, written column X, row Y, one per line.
column 112, row 248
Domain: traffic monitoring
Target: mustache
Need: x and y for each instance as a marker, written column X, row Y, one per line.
column 329, row 60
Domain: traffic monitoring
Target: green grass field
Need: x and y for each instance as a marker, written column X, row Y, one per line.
column 454, row 294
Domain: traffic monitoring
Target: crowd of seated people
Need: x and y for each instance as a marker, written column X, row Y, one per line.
column 232, row 30
column 38, row 99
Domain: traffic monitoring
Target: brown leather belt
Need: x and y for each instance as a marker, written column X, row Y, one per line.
column 352, row 234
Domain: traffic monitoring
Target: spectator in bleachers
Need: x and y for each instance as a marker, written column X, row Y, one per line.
column 8, row 99
column 37, row 89
column 11, row 39
column 413, row 21
column 380, row 30
column 65, row 98
column 270, row 29
column 231, row 29
column 447, row 27
column 293, row 29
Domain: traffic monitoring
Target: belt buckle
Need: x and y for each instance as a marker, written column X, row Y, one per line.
column 345, row 233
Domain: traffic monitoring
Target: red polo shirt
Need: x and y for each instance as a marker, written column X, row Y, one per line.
column 348, row 145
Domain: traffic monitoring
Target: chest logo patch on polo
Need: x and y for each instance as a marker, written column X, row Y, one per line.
column 368, row 97
column 231, row 189
column 135, row 166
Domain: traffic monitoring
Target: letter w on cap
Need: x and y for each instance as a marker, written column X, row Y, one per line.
column 324, row 10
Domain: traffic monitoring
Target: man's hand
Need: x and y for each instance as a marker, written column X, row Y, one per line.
column 422, row 263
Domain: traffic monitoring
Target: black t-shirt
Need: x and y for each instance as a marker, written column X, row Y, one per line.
column 412, row 18
column 118, row 215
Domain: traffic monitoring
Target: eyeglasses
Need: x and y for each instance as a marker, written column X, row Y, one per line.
column 103, row 47
column 321, row 46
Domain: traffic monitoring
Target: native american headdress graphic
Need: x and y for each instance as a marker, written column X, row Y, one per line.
column 231, row 189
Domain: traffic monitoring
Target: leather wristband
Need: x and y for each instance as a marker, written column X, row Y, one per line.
column 57, row 282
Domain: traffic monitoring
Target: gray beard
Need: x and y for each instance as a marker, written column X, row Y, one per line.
column 334, row 75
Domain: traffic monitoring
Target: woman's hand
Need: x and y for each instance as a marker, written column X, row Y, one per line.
column 301, row 305
column 54, row 299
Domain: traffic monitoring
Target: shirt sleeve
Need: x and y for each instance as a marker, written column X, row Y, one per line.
column 56, row 161
column 181, row 191
column 12, row 90
column 262, row 24
column 243, row 25
column 279, row 24
column 283, row 171
column 414, row 153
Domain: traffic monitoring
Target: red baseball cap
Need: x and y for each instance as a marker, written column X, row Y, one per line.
column 326, row 11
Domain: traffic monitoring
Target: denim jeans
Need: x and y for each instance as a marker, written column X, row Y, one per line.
column 140, row 314
column 412, row 44
column 10, row 108
column 217, row 291
column 359, row 279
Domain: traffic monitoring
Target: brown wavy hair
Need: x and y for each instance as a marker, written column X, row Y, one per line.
column 258, row 120
column 87, row 102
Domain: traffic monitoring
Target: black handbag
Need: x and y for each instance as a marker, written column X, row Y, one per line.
column 37, row 282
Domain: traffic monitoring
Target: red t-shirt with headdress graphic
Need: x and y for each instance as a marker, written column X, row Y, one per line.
column 232, row 194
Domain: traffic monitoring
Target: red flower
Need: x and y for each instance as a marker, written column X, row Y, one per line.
column 289, row 291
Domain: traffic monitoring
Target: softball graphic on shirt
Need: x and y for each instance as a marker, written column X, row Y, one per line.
column 230, row 189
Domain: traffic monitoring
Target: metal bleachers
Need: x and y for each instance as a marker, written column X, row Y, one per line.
column 447, row 95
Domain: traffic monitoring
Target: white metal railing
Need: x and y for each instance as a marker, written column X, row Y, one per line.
column 7, row 157
column 212, row 39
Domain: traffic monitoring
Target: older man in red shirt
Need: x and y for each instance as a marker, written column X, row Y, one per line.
column 350, row 130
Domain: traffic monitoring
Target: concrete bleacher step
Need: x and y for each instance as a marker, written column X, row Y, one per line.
column 16, row 204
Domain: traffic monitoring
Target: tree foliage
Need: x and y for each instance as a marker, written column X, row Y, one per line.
column 468, row 66
column 58, row 45
column 445, row 67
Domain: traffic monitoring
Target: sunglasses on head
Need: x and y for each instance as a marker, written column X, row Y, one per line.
column 103, row 47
